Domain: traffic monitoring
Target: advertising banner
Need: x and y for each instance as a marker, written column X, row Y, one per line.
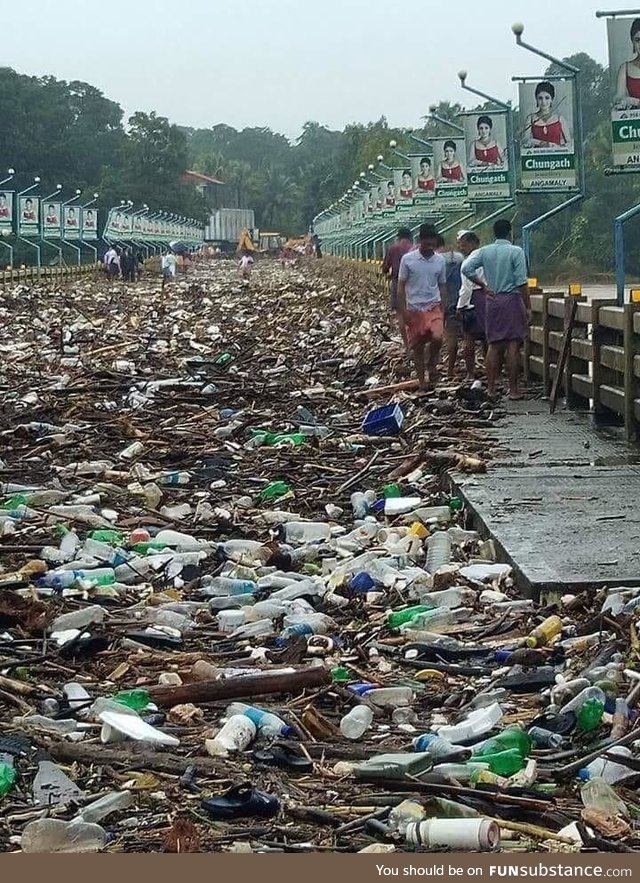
column 624, row 65
column 6, row 212
column 71, row 222
column 450, row 173
column 52, row 220
column 485, row 136
column 28, row 216
column 89, row 218
column 424, row 182
column 547, row 146
column 403, row 184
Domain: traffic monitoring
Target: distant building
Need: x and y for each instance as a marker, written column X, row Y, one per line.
column 216, row 193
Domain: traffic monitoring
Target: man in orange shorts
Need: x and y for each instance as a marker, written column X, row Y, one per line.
column 422, row 288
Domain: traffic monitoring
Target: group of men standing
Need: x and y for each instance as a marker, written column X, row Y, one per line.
column 471, row 294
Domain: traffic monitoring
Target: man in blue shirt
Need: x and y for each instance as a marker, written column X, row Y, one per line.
column 422, row 287
column 507, row 303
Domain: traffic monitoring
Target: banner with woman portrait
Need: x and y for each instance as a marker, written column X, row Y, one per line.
column 424, row 182
column 52, row 220
column 71, row 222
column 624, row 65
column 403, row 187
column 28, row 216
column 6, row 212
column 89, row 219
column 547, row 145
column 485, row 136
column 450, row 171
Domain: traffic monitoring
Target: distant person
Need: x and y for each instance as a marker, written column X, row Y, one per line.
column 628, row 83
column 471, row 307
column 169, row 267
column 128, row 265
column 112, row 263
column 508, row 309
column 391, row 268
column 452, row 324
column 245, row 267
column 139, row 265
column 422, row 287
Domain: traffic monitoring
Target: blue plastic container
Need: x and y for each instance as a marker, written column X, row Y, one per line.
column 383, row 421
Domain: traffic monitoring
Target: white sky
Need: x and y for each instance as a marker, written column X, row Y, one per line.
column 279, row 63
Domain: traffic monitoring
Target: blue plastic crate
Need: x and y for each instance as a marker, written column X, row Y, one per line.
column 383, row 421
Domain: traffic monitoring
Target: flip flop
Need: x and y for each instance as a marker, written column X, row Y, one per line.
column 284, row 756
column 242, row 801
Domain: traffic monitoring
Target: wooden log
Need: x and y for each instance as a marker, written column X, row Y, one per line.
column 235, row 688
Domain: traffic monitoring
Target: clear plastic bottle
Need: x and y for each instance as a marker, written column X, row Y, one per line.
column 223, row 585
column 355, row 724
column 596, row 793
column 390, row 697
column 304, row 532
column 438, row 551
column 268, row 724
column 546, row 739
column 404, row 814
column 441, row 617
column 237, row 734
column 182, row 542
column 583, row 696
column 54, row 835
column 610, row 770
column 476, row 724
column 79, row 619
column 94, row 812
column 440, row 748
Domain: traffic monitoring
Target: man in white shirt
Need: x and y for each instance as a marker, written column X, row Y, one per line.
column 422, row 287
column 112, row 263
column 169, row 265
column 471, row 306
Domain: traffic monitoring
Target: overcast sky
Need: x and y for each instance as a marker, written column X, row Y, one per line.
column 279, row 63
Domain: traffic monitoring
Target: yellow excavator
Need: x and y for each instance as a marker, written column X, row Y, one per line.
column 267, row 242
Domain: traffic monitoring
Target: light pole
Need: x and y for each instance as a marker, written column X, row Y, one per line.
column 76, row 248
column 36, row 182
column 7, row 230
column 86, row 205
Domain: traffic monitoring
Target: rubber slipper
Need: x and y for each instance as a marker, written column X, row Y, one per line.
column 285, row 757
column 242, row 801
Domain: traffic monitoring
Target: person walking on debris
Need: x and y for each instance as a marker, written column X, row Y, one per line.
column 453, row 326
column 422, row 287
column 471, row 306
column 139, row 265
column 169, row 265
column 112, row 263
column 128, row 265
column 245, row 266
column 508, row 309
column 391, row 268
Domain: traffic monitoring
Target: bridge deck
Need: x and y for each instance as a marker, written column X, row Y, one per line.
column 561, row 500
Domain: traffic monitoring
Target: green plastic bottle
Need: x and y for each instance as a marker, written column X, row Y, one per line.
column 8, row 776
column 455, row 504
column 143, row 548
column 274, row 490
column 510, row 739
column 340, row 675
column 135, row 699
column 503, row 763
column 402, row 617
column 590, row 715
column 391, row 491
column 112, row 537
column 14, row 501
column 223, row 359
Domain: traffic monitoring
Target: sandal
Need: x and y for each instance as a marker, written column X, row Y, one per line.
column 242, row 801
column 284, row 756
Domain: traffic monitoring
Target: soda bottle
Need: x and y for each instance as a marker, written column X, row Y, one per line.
column 510, row 739
column 545, row 632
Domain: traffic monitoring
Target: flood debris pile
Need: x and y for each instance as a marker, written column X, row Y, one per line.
column 231, row 619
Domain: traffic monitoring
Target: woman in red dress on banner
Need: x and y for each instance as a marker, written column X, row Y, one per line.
column 546, row 128
column 425, row 182
column 486, row 151
column 628, row 82
column 451, row 171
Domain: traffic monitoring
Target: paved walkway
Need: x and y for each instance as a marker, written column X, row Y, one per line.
column 561, row 500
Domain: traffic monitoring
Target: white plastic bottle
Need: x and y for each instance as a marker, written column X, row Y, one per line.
column 78, row 619
column 578, row 701
column 299, row 532
column 355, row 724
column 268, row 724
column 478, row 835
column 390, row 697
column 94, row 812
column 438, row 551
column 451, row 598
column 236, row 735
column 476, row 724
column 183, row 542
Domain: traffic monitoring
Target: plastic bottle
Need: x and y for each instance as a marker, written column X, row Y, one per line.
column 511, row 738
column 79, row 619
column 596, row 793
column 620, row 723
column 137, row 700
column 40, row 722
column 267, row 724
column 390, row 696
column 478, row 835
column 173, row 479
column 54, row 835
column 610, row 770
column 456, row 596
column 105, row 806
column 182, row 542
column 237, row 734
column 478, row 722
column 461, row 772
column 503, row 763
column 438, row 551
column 546, row 739
column 223, row 585
column 113, row 537
column 229, row 620
column 8, row 777
column 362, row 503
column 578, row 701
column 405, row 813
column 441, row 617
column 355, row 724
column 545, row 632
column 590, row 715
column 304, row 532
column 440, row 748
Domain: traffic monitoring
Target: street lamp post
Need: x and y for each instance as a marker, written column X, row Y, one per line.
column 76, row 248
column 56, row 248
column 7, row 245
column 93, row 248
